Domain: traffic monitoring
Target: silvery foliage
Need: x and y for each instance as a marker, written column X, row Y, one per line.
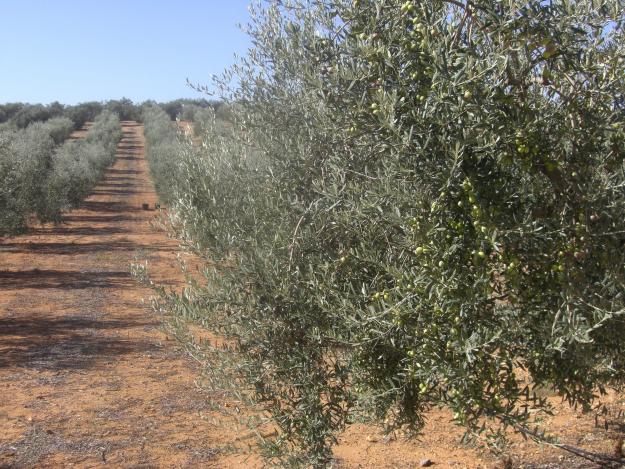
column 417, row 204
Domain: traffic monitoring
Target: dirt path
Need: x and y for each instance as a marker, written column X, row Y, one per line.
column 86, row 376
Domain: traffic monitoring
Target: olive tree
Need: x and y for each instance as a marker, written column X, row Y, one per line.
column 428, row 210
column 83, row 112
column 59, row 129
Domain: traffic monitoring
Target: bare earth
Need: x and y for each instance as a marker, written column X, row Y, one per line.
column 88, row 379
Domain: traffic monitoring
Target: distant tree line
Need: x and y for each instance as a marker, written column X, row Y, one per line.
column 21, row 115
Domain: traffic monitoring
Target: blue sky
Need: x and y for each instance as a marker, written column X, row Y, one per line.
column 91, row 50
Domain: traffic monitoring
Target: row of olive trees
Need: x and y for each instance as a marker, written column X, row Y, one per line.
column 161, row 145
column 42, row 174
column 25, row 159
column 418, row 204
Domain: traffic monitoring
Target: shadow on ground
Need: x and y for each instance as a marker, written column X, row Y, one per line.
column 63, row 279
column 66, row 342
column 61, row 249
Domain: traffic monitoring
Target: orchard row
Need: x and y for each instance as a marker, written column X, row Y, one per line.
column 43, row 173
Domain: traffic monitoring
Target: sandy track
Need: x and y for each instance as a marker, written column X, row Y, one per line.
column 86, row 376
